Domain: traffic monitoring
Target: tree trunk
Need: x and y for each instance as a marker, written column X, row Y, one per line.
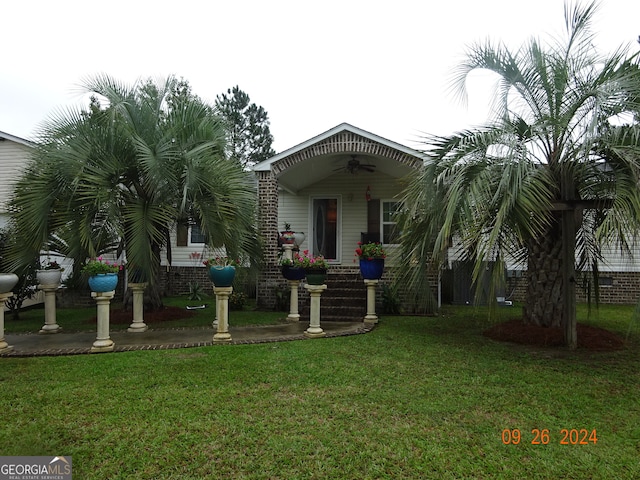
column 551, row 295
column 545, row 289
column 152, row 294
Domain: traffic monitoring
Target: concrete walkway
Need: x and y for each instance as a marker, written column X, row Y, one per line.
column 33, row 344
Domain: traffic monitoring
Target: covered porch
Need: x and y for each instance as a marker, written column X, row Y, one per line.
column 339, row 188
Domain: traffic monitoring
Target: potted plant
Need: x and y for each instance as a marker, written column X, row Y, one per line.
column 7, row 282
column 222, row 270
column 103, row 275
column 287, row 236
column 371, row 256
column 315, row 266
column 298, row 238
column 291, row 271
column 50, row 273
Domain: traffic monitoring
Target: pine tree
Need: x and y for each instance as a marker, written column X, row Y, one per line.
column 247, row 124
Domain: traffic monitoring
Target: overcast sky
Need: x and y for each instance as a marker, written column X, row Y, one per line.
column 383, row 66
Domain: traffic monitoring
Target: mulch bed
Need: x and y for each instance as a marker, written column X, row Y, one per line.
column 589, row 338
column 166, row 313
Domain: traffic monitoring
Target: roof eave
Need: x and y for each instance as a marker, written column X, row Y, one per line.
column 19, row 140
column 266, row 164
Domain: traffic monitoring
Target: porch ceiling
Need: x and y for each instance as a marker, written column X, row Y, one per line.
column 317, row 168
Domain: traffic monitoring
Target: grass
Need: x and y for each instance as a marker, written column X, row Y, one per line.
column 83, row 319
column 415, row 398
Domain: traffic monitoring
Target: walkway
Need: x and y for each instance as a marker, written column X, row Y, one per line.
column 33, row 344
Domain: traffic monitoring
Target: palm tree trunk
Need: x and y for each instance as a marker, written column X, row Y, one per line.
column 569, row 277
column 545, row 287
column 152, row 294
column 551, row 292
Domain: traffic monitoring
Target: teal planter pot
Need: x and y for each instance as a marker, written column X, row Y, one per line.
column 103, row 282
column 222, row 276
column 372, row 269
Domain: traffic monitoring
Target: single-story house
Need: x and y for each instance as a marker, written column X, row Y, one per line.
column 341, row 187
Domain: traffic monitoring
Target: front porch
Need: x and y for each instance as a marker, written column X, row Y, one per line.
column 338, row 188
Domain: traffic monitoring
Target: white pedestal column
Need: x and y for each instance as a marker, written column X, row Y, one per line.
column 371, row 316
column 138, row 324
column 314, row 329
column 288, row 251
column 4, row 346
column 222, row 314
column 103, row 342
column 294, row 314
column 50, row 325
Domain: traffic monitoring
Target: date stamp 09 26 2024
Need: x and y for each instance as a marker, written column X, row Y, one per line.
column 543, row 436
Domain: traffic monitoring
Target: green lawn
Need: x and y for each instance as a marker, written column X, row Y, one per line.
column 83, row 319
column 418, row 397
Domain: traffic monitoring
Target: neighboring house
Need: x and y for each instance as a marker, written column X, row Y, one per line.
column 14, row 155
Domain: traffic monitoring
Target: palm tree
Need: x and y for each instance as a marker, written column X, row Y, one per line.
column 152, row 157
column 547, row 180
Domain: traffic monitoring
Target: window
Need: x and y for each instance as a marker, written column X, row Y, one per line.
column 605, row 281
column 196, row 236
column 390, row 233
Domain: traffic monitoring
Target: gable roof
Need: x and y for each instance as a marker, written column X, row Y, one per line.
column 323, row 155
column 265, row 165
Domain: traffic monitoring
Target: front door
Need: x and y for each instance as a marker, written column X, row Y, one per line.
column 325, row 222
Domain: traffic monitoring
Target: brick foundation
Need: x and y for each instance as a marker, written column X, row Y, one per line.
column 621, row 288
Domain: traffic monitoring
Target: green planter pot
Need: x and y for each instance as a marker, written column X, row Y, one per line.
column 316, row 276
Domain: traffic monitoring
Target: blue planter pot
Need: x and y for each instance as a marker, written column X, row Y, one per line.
column 372, row 269
column 222, row 276
column 292, row 273
column 103, row 282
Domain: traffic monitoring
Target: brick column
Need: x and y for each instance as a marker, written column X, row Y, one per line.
column 268, row 221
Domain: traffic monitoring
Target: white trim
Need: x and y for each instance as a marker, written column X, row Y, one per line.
column 13, row 138
column 265, row 165
column 193, row 244
column 383, row 223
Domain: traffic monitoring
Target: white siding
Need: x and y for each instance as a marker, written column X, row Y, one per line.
column 351, row 189
column 189, row 256
column 13, row 158
column 615, row 261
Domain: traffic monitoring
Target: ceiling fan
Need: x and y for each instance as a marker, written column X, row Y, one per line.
column 354, row 166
